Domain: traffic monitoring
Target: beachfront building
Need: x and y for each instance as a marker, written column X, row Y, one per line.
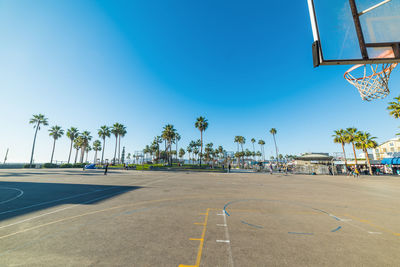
column 314, row 163
column 388, row 149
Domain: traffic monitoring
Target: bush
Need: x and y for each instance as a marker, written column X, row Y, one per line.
column 78, row 165
column 50, row 165
column 27, row 166
column 66, row 165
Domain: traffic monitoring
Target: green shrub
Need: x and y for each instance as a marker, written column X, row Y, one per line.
column 78, row 165
column 27, row 166
column 66, row 165
column 50, row 165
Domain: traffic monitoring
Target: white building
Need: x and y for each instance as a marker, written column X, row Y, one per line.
column 388, row 149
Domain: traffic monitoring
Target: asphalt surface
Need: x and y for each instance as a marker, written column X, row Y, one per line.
column 134, row 218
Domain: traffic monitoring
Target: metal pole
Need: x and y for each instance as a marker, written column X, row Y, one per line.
column 360, row 34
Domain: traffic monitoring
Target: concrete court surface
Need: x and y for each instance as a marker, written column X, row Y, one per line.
column 134, row 218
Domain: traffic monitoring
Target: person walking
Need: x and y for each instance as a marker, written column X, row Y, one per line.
column 270, row 168
column 229, row 168
column 357, row 172
column 106, row 169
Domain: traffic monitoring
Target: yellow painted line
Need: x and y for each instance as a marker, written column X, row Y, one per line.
column 197, row 239
column 373, row 225
column 200, row 251
column 92, row 212
column 199, row 223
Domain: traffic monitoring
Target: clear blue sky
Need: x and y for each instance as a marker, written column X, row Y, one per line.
column 244, row 65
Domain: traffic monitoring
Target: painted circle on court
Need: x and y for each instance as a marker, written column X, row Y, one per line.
column 8, row 194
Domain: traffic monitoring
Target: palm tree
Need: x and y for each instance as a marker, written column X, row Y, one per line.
column 86, row 137
column 253, row 141
column 242, row 141
column 72, row 133
column 121, row 133
column 37, row 120
column 56, row 132
column 394, row 108
column 189, row 150
column 177, row 139
column 168, row 134
column 236, row 140
column 262, row 143
column 87, row 150
column 273, row 132
column 340, row 138
column 115, row 129
column 97, row 147
column 201, row 124
column 181, row 153
column 77, row 145
column 258, row 154
column 103, row 132
column 351, row 134
column 364, row 141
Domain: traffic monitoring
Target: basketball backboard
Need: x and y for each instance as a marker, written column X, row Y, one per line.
column 348, row 32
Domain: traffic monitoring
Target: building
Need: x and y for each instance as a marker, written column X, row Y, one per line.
column 313, row 163
column 388, row 149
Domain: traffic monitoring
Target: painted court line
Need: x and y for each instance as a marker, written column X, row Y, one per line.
column 228, row 238
column 223, row 241
column 21, row 192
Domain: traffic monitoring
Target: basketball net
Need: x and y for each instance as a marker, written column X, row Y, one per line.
column 371, row 80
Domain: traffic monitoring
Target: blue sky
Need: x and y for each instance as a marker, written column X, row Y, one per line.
column 244, row 65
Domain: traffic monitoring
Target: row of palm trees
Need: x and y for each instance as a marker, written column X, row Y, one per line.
column 358, row 140
column 80, row 140
column 240, row 140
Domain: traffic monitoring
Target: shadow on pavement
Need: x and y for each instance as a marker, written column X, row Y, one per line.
column 20, row 198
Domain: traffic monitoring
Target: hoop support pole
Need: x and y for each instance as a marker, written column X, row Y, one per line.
column 357, row 24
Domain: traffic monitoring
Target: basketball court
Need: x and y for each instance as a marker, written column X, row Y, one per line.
column 132, row 218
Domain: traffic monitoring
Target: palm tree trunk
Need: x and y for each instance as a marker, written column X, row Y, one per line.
column 354, row 151
column 344, row 154
column 115, row 151
column 76, row 155
column 83, row 153
column 70, row 151
column 33, row 146
column 170, row 151
column 176, row 141
column 201, row 148
column 102, row 153
column 95, row 157
column 52, row 153
column 87, row 155
column 369, row 163
column 119, row 148
column 276, row 148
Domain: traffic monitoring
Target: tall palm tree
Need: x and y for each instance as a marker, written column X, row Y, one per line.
column 103, row 132
column 273, row 132
column 121, row 133
column 340, row 138
column 55, row 132
column 86, row 137
column 242, row 141
column 253, row 141
column 37, row 120
column 177, row 139
column 87, row 150
column 168, row 134
column 115, row 129
column 364, row 141
column 394, row 108
column 262, row 143
column 72, row 133
column 351, row 134
column 77, row 145
column 236, row 140
column 201, row 124
column 97, row 147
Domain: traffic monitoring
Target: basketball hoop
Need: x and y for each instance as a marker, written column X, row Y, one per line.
column 372, row 83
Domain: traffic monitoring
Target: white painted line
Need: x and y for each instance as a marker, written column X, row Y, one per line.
column 13, row 198
column 221, row 214
column 224, row 225
column 223, row 241
column 227, row 237
column 375, row 233
column 346, row 220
